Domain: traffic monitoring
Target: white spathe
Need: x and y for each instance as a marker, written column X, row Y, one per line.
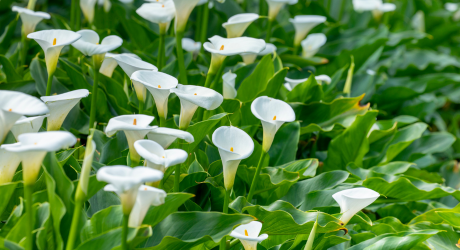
column 160, row 13
column 135, row 127
column 452, row 7
column 312, row 44
column 146, row 196
column 191, row 97
column 292, row 83
column 109, row 64
column 190, row 45
column 27, row 125
column 378, row 7
column 125, row 181
column 270, row 48
column 237, row 24
column 183, row 10
column 87, row 7
column 166, row 136
column 303, row 24
column 30, row 18
column 9, row 162
column 52, row 42
column 89, row 44
column 157, row 157
column 159, row 85
column 248, row 234
column 353, row 200
column 14, row 105
column 60, row 106
column 32, row 148
column 274, row 7
column 229, row 91
column 106, row 4
column 273, row 114
column 234, row 145
column 130, row 65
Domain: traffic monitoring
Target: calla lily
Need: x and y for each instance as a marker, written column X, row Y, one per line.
column 27, row 125
column 52, row 42
column 106, row 4
column 272, row 113
column 130, row 65
column 166, row 136
column 237, row 24
column 13, row 105
column 292, row 83
column 125, row 181
column 453, row 7
column 87, row 7
column 312, row 44
column 32, row 149
column 159, row 84
column 109, row 64
column 160, row 13
column 353, row 200
column 234, row 145
column 135, row 127
column 221, row 47
column 418, row 21
column 60, row 106
column 30, row 18
column 249, row 58
column 183, row 10
column 304, row 24
column 248, row 234
column 190, row 45
column 191, row 97
column 376, row 6
column 229, row 90
column 89, row 45
column 274, row 7
column 269, row 49
column 9, row 162
column 157, row 157
column 146, row 197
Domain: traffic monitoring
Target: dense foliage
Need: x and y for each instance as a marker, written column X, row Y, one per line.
column 387, row 120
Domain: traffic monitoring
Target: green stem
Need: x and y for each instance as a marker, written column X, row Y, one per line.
column 177, row 175
column 269, row 30
column 161, row 51
column 92, row 118
column 223, row 242
column 204, row 25
column 24, row 48
column 74, row 227
column 28, row 190
column 162, row 121
column 209, row 79
column 199, row 20
column 296, row 49
column 180, row 58
column 124, row 232
column 49, row 84
column 77, row 15
column 141, row 106
column 218, row 75
column 31, row 4
column 256, row 175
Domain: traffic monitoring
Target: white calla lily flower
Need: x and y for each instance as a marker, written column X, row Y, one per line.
column 229, row 91
column 312, row 44
column 109, row 64
column 30, row 18
column 157, row 157
column 249, row 58
column 87, row 7
column 183, row 10
column 135, row 128
column 248, row 234
column 52, row 42
column 32, row 149
column 125, row 181
column 106, row 4
column 9, row 163
column 166, row 136
column 323, row 79
column 376, row 6
column 303, row 24
column 27, row 125
column 130, row 65
column 237, row 24
column 270, row 48
column 89, row 44
column 292, row 83
column 234, row 145
column 190, row 45
column 60, row 106
column 160, row 13
column 14, row 105
column 159, row 85
column 191, row 97
column 353, row 200
column 274, row 7
column 452, row 7
column 273, row 114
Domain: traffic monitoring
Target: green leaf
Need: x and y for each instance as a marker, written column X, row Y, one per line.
column 257, row 81
column 200, row 129
column 7, row 191
column 306, row 92
column 8, row 68
column 284, row 147
column 404, row 240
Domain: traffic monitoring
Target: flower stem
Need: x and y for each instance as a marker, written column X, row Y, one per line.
column 269, row 30
column 177, row 178
column 31, row 4
column 296, row 49
column 92, row 118
column 75, row 220
column 218, row 75
column 180, row 58
column 209, row 79
column 124, row 232
column 161, row 51
column 162, row 121
column 256, row 175
column 204, row 25
column 28, row 190
column 24, row 47
column 49, row 84
column 223, row 241
column 141, row 106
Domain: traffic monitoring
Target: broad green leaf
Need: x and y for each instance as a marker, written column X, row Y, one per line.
column 257, row 81
column 8, row 68
column 284, row 147
column 200, row 129
column 306, row 92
